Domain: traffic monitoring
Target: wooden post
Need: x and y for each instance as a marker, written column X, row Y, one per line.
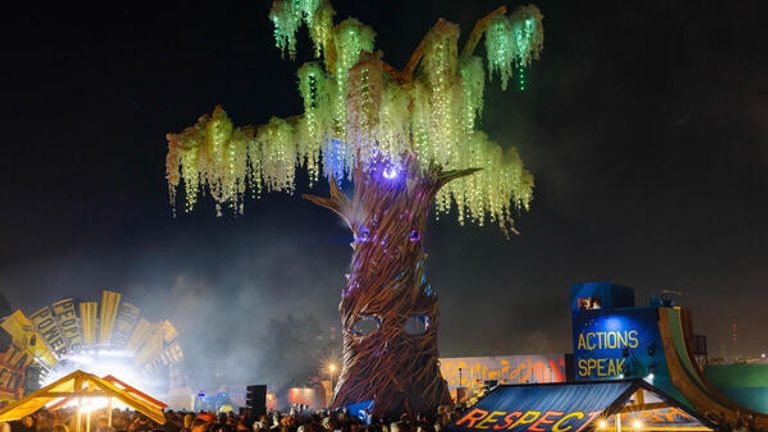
column 79, row 414
column 109, row 412
column 88, row 418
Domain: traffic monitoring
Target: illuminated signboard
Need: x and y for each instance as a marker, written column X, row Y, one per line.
column 623, row 343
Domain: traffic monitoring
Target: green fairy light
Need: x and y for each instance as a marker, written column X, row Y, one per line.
column 499, row 48
column 512, row 41
column 355, row 111
column 473, row 87
column 286, row 19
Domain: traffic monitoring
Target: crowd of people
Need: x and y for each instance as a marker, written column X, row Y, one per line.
column 740, row 423
column 64, row 420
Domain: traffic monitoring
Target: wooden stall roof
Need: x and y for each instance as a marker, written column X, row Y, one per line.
column 81, row 384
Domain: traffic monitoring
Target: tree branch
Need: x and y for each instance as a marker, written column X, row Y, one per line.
column 418, row 53
column 405, row 76
column 337, row 202
column 478, row 29
column 396, row 74
column 449, row 176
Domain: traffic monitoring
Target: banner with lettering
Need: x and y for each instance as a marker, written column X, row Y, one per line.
column 67, row 317
column 88, row 322
column 141, row 332
column 127, row 317
column 541, row 408
column 572, row 407
column 513, row 369
column 10, row 379
column 48, row 327
column 151, row 349
column 17, row 358
column 110, row 304
column 172, row 354
column 618, row 344
column 24, row 335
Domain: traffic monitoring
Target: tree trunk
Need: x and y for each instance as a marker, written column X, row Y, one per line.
column 393, row 365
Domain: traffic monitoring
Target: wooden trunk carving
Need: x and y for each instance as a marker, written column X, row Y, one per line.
column 396, row 364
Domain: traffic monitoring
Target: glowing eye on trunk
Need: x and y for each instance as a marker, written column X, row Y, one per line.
column 416, row 325
column 366, row 325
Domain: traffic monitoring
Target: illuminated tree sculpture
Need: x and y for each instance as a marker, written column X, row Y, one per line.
column 405, row 139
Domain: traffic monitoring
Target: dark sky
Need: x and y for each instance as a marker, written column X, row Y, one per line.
column 645, row 124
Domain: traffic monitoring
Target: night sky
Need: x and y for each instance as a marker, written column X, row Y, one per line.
column 645, row 124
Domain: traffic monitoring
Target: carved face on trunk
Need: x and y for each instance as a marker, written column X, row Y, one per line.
column 388, row 268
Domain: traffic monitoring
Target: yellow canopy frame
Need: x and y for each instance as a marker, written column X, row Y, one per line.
column 81, row 385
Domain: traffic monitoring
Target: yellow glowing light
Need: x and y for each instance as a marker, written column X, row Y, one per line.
column 602, row 424
column 90, row 404
column 637, row 425
column 332, row 368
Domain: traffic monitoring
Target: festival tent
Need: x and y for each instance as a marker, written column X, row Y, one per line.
column 600, row 405
column 81, row 385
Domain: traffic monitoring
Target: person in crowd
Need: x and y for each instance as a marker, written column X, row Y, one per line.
column 187, row 422
column 27, row 424
column 202, row 423
column 102, row 424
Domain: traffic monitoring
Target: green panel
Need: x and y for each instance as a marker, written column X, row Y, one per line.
column 737, row 375
column 754, row 398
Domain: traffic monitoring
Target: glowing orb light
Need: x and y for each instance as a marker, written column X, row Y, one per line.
column 390, row 172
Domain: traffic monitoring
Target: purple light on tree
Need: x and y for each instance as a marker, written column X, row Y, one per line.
column 390, row 172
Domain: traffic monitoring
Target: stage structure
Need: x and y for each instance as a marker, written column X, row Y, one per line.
column 405, row 138
column 104, row 338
